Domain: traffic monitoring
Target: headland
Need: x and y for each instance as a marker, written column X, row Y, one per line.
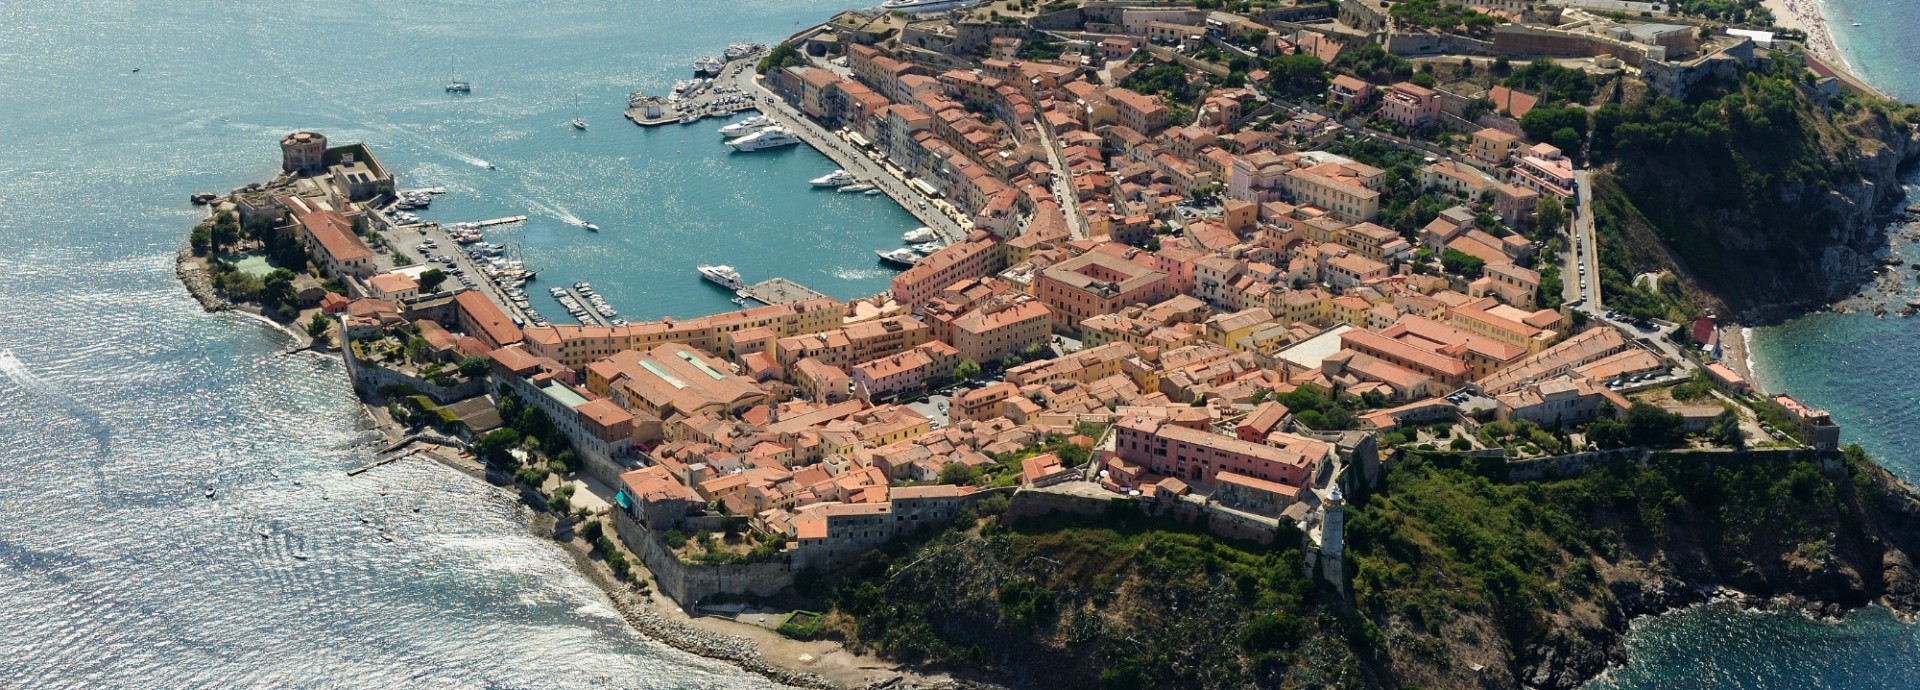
column 1219, row 308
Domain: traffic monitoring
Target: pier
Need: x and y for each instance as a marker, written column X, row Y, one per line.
column 722, row 97
column 593, row 318
column 779, row 291
column 490, row 222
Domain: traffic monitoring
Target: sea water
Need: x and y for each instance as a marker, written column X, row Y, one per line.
column 121, row 402
column 1866, row 371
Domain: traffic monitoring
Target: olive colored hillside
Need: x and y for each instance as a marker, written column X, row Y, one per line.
column 1458, row 579
column 1534, row 582
column 1765, row 194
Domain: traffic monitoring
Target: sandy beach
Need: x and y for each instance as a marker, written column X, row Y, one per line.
column 1804, row 15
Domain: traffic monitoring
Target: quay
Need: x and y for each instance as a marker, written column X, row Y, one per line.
column 490, row 222
column 710, row 100
column 779, row 291
column 851, row 159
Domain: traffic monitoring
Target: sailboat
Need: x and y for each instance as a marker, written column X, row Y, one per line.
column 454, row 85
column 578, row 123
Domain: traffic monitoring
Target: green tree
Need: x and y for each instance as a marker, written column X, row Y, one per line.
column 276, row 290
column 966, row 370
column 473, row 367
column 1726, row 431
column 226, row 231
column 1652, row 425
column 783, row 55
column 430, row 281
column 318, row 326
column 1461, row 263
column 201, row 239
column 960, row 474
column 1297, row 76
column 1549, row 215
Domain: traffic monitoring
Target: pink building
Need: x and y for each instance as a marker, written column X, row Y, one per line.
column 1198, row 456
column 1411, row 105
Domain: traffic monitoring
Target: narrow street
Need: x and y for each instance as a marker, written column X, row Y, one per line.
column 1582, row 255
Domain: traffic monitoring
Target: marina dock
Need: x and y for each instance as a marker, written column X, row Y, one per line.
column 779, row 291
column 721, row 97
column 593, row 318
column 501, row 221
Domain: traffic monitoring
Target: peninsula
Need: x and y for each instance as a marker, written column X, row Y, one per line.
column 1269, row 343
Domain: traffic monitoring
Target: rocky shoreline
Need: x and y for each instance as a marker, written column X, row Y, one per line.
column 193, row 274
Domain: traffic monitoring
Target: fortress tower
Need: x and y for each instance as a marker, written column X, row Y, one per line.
column 303, row 153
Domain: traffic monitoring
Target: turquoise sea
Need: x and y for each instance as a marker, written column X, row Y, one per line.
column 1864, row 370
column 121, row 402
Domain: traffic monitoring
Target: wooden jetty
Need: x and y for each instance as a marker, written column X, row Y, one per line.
column 779, row 291
column 501, row 221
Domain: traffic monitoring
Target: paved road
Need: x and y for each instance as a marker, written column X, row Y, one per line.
column 1063, row 191
column 853, row 160
column 1582, row 253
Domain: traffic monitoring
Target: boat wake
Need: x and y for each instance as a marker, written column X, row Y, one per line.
column 91, row 419
column 844, row 273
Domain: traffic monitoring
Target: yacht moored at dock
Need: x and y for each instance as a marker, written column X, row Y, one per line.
column 708, row 67
column 855, row 188
column 837, row 178
column 747, row 126
column 919, row 234
column 724, row 276
column 902, row 257
column 769, row 138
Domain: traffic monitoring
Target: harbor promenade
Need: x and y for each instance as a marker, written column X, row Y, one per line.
column 851, row 159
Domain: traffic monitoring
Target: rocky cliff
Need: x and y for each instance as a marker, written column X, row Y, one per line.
column 1458, row 579
column 1764, row 201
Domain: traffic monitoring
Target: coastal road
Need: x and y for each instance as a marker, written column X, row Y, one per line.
column 851, row 159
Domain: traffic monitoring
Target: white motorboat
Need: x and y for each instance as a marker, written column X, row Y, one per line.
column 928, row 247
column 902, row 257
column 747, row 126
column 918, row 6
column 837, row 178
column 855, row 188
column 919, row 234
column 876, row 191
column 770, row 138
column 579, row 123
column 723, row 276
column 589, row 226
column 708, row 67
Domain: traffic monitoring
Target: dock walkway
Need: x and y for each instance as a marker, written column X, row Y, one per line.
column 593, row 318
column 490, row 222
column 779, row 291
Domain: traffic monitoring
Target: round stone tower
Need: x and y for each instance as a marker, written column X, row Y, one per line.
column 303, row 153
